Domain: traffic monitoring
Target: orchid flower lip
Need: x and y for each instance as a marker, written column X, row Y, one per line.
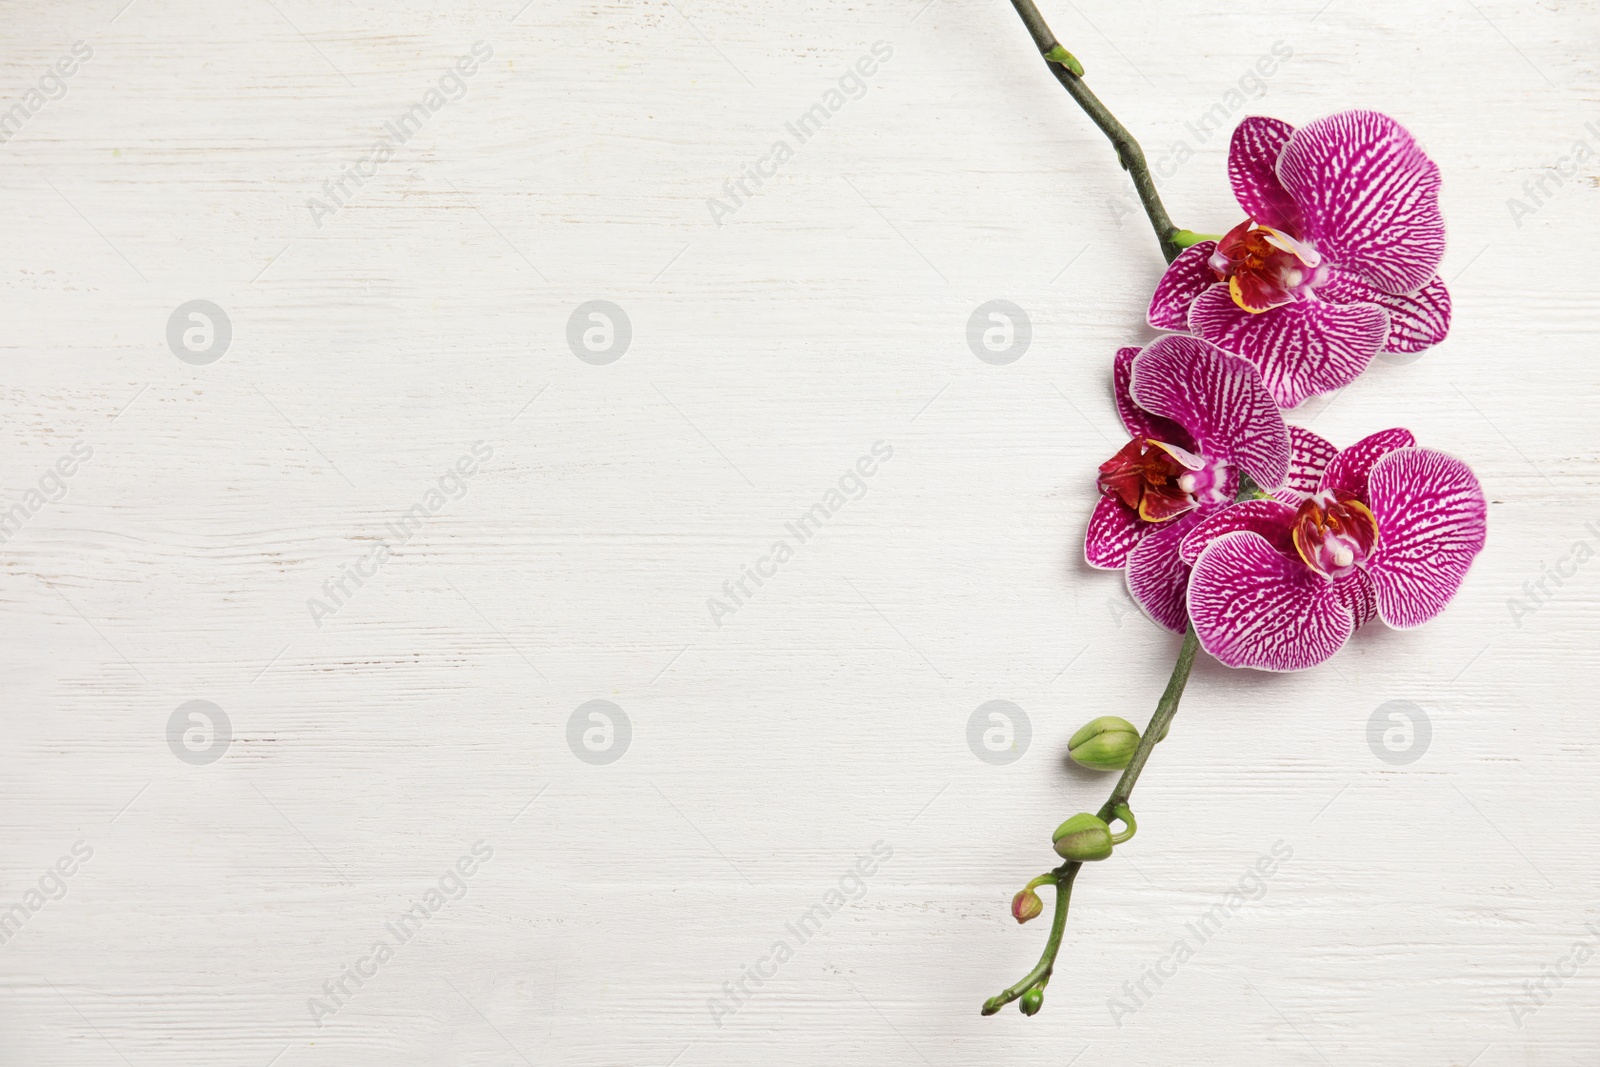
column 1162, row 481
column 1265, row 267
column 1334, row 533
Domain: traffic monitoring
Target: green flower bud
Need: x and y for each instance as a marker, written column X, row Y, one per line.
column 1086, row 837
column 1083, row 837
column 1032, row 1001
column 1105, row 744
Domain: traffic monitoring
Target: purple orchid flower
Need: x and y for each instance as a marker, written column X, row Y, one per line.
column 1337, row 261
column 1389, row 532
column 1199, row 418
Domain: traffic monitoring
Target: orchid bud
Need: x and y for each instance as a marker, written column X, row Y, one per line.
column 1032, row 1001
column 1083, row 837
column 1026, row 905
column 1086, row 837
column 1104, row 744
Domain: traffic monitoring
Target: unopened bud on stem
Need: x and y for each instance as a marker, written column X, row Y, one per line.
column 1107, row 743
column 1104, row 744
column 1086, row 837
column 1026, row 904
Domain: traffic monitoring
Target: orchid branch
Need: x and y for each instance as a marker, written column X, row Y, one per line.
column 1064, row 875
column 1166, row 708
column 1062, row 878
column 1351, row 154
column 1069, row 72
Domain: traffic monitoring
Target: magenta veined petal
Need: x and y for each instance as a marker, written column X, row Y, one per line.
column 1417, row 321
column 1252, row 606
column 1302, row 349
column 1222, row 401
column 1347, row 472
column 1432, row 520
column 1114, row 529
column 1309, row 455
column 1253, row 169
column 1272, row 519
column 1137, row 421
column 1368, row 197
column 1359, row 596
column 1158, row 578
column 1185, row 278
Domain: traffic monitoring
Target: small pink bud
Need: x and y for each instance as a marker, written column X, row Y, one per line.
column 1026, row 905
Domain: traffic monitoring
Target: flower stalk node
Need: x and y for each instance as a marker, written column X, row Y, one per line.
column 1070, row 61
column 1188, row 238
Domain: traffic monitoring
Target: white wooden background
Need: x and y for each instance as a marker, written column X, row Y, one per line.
column 768, row 353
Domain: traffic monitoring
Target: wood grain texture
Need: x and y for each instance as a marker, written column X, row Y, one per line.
column 373, row 346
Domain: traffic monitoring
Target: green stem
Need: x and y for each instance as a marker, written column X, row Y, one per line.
column 1069, row 72
column 1166, row 708
column 1047, row 962
column 1188, row 238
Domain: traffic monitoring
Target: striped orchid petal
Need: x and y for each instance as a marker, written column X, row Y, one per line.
column 1253, row 169
column 1432, row 518
column 1336, row 261
column 1347, row 472
column 1390, row 533
column 1186, row 278
column 1309, row 456
column 1220, row 400
column 1199, row 418
column 1303, row 349
column 1368, row 196
column 1272, row 519
column 1255, row 607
